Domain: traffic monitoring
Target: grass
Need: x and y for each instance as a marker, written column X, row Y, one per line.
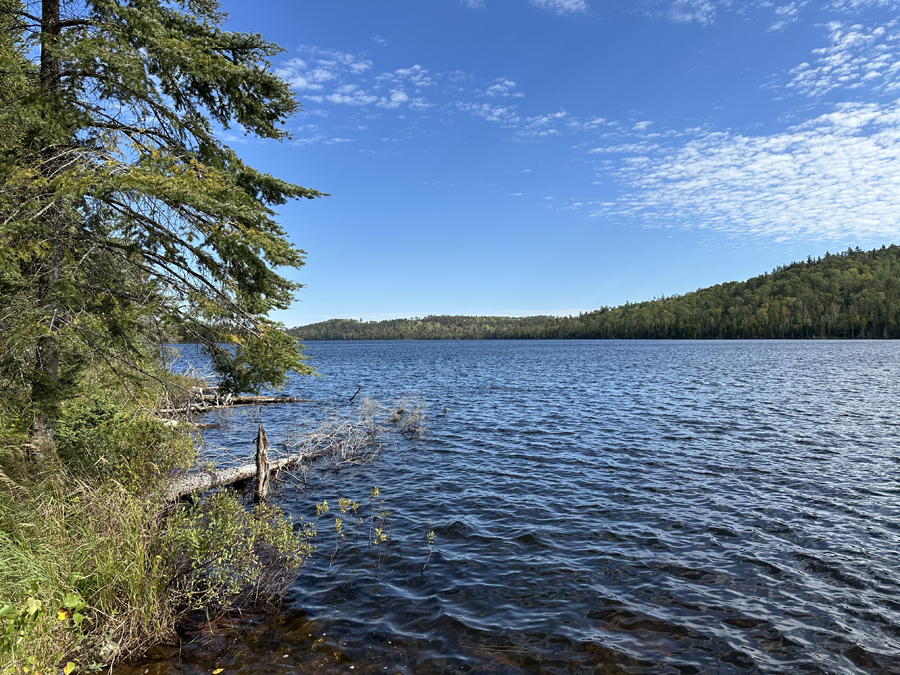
column 95, row 566
column 66, row 539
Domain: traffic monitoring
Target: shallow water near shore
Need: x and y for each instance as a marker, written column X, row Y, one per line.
column 598, row 506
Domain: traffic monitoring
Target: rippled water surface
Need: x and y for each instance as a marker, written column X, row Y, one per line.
column 644, row 507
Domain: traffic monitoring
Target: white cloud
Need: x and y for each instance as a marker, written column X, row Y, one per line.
column 472, row 4
column 541, row 126
column 503, row 88
column 397, row 97
column 350, row 94
column 505, row 114
column 705, row 12
column 296, row 73
column 308, row 140
column 545, row 120
column 857, row 5
column 415, row 76
column 642, row 126
column 858, row 57
column 688, row 11
column 833, row 177
column 333, row 59
column 594, row 122
column 786, row 15
column 378, row 40
column 320, row 67
column 561, row 6
column 344, row 75
column 624, row 148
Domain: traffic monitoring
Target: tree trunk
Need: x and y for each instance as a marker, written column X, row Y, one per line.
column 50, row 30
column 45, row 378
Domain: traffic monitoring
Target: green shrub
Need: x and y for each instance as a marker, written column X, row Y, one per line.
column 225, row 556
column 100, row 438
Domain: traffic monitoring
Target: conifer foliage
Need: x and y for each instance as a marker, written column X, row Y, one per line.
column 854, row 294
column 124, row 219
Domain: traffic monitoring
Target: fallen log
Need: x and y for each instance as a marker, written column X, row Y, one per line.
column 210, row 402
column 251, row 400
column 344, row 440
column 187, row 425
column 200, row 481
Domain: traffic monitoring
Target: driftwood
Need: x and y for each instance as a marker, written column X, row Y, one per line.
column 261, row 488
column 346, row 441
column 199, row 481
column 187, row 425
column 227, row 400
column 261, row 470
column 211, row 402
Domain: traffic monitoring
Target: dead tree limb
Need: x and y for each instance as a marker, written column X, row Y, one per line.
column 214, row 402
column 261, row 489
column 199, row 481
column 345, row 441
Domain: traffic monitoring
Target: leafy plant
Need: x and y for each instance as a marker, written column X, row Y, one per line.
column 429, row 547
column 223, row 555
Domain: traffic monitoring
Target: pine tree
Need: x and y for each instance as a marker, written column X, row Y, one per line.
column 124, row 218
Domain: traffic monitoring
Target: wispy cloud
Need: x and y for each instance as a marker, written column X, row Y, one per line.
column 562, row 6
column 320, row 67
column 858, row 5
column 556, row 6
column 346, row 94
column 378, row 40
column 330, row 76
column 492, row 113
column 706, row 12
column 504, row 88
column 415, row 76
column 624, row 148
column 858, row 57
column 590, row 124
column 542, row 126
column 786, row 15
column 835, row 176
column 684, row 11
column 396, row 99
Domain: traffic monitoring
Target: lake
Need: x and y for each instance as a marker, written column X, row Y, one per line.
column 598, row 507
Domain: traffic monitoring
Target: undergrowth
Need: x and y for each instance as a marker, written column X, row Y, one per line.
column 95, row 566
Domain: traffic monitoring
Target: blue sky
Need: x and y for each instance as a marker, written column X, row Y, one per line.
column 518, row 157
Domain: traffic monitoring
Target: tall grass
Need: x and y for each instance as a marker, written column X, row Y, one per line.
column 67, row 541
column 95, row 566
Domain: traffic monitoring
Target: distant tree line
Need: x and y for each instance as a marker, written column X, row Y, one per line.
column 854, row 294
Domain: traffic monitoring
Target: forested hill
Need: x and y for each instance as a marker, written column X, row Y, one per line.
column 855, row 294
